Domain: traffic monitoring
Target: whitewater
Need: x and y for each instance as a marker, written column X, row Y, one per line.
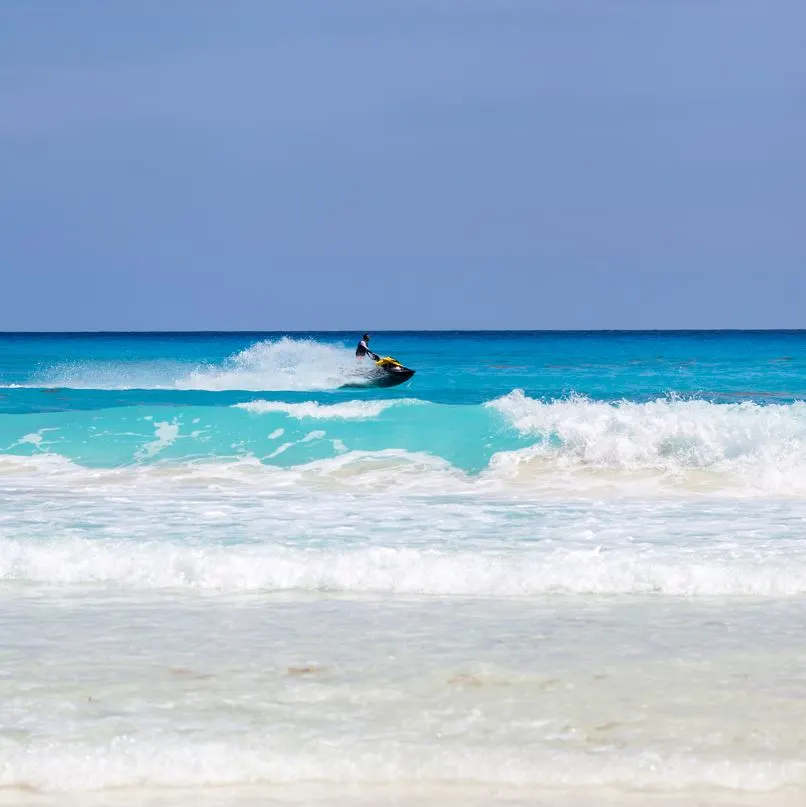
column 553, row 568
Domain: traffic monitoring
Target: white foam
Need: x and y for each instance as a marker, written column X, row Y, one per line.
column 280, row 450
column 346, row 410
column 747, row 444
column 657, row 434
column 405, row 570
column 34, row 439
column 394, row 471
column 165, row 434
column 129, row 762
column 42, row 466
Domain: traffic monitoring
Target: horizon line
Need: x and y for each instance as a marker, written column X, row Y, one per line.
column 249, row 331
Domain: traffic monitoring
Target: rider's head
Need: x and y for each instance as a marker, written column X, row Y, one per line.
column 365, row 337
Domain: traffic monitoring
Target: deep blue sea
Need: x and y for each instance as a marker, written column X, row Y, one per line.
column 550, row 566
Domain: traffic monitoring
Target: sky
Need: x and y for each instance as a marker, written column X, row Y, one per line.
column 375, row 165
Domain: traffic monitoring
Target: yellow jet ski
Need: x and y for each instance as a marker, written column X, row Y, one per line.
column 393, row 372
column 388, row 372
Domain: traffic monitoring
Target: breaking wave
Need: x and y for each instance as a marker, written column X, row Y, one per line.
column 398, row 570
column 514, row 443
column 761, row 446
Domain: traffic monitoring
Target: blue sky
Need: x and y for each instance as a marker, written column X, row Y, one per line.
column 363, row 164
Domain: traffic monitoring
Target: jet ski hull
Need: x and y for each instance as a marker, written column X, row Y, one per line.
column 391, row 377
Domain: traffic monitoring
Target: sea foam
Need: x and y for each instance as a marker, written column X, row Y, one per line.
column 347, row 410
column 385, row 570
column 167, row 762
column 759, row 446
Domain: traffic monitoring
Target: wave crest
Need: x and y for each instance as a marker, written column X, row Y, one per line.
column 764, row 444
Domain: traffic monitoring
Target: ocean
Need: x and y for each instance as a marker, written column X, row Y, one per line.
column 551, row 569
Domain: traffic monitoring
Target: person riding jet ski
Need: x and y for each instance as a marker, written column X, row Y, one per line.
column 385, row 372
column 363, row 349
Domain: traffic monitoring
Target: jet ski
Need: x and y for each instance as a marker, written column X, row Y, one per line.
column 387, row 372
column 390, row 372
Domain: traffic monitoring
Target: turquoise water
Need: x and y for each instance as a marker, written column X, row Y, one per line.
column 550, row 566
column 95, row 399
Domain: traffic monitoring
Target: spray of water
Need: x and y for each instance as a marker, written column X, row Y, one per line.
column 284, row 364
